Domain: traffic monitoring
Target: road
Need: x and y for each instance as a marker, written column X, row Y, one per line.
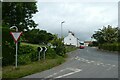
column 84, row 63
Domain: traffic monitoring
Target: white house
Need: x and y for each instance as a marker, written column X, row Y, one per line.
column 71, row 40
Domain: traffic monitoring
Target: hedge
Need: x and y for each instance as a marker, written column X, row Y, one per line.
column 110, row 46
column 8, row 47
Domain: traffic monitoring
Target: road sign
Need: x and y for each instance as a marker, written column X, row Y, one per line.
column 39, row 50
column 16, row 35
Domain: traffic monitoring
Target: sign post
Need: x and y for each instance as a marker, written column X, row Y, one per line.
column 16, row 37
column 44, row 49
column 39, row 50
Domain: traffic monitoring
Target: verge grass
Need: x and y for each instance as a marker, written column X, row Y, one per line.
column 34, row 67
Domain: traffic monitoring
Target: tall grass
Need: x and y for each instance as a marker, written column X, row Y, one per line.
column 24, row 70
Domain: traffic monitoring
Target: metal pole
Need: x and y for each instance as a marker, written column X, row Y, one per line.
column 44, row 55
column 16, row 56
column 16, row 46
column 39, row 56
column 61, row 29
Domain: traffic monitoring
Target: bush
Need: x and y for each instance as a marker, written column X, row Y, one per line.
column 51, row 54
column 60, row 48
column 110, row 46
column 25, row 49
column 27, row 54
column 24, row 59
column 8, row 47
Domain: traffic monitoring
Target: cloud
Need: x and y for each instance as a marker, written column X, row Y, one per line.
column 81, row 18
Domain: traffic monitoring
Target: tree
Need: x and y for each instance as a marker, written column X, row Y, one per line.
column 107, row 34
column 19, row 14
column 37, row 36
column 60, row 47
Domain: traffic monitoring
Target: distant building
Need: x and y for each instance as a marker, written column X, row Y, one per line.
column 71, row 39
column 87, row 43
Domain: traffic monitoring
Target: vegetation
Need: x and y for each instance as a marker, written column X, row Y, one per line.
column 59, row 46
column 70, row 48
column 29, row 66
column 110, row 47
column 37, row 36
column 19, row 14
column 24, row 70
column 108, row 38
column 8, row 47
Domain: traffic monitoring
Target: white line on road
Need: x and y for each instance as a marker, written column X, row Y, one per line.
column 92, row 61
column 69, row 74
column 88, row 62
column 74, row 70
column 55, row 73
column 98, row 64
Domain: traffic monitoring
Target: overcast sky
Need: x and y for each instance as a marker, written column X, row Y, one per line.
column 82, row 18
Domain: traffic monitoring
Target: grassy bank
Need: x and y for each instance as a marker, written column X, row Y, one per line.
column 34, row 67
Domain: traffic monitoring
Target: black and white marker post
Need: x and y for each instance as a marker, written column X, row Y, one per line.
column 39, row 51
column 44, row 50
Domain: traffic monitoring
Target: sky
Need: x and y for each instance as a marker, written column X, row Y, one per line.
column 81, row 17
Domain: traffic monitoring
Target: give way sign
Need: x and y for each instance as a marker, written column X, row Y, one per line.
column 16, row 35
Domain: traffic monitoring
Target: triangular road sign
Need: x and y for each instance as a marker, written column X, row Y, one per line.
column 16, row 35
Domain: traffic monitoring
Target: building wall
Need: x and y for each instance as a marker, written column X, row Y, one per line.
column 71, row 40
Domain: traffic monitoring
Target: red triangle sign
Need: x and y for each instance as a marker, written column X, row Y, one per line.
column 16, row 35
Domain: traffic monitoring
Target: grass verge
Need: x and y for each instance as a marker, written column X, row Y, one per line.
column 34, row 67
column 70, row 48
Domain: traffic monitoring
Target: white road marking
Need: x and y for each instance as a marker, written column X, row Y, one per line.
column 101, row 63
column 113, row 65
column 95, row 63
column 108, row 64
column 88, row 62
column 74, row 70
column 68, row 74
column 92, row 61
column 98, row 64
column 55, row 73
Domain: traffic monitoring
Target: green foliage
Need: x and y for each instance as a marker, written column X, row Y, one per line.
column 51, row 53
column 70, row 48
column 8, row 47
column 37, row 36
column 25, row 49
column 60, row 48
column 94, row 43
column 34, row 67
column 110, row 47
column 27, row 54
column 119, row 34
column 19, row 14
column 24, row 59
column 107, row 34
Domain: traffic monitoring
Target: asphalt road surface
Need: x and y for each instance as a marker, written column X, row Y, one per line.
column 84, row 63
